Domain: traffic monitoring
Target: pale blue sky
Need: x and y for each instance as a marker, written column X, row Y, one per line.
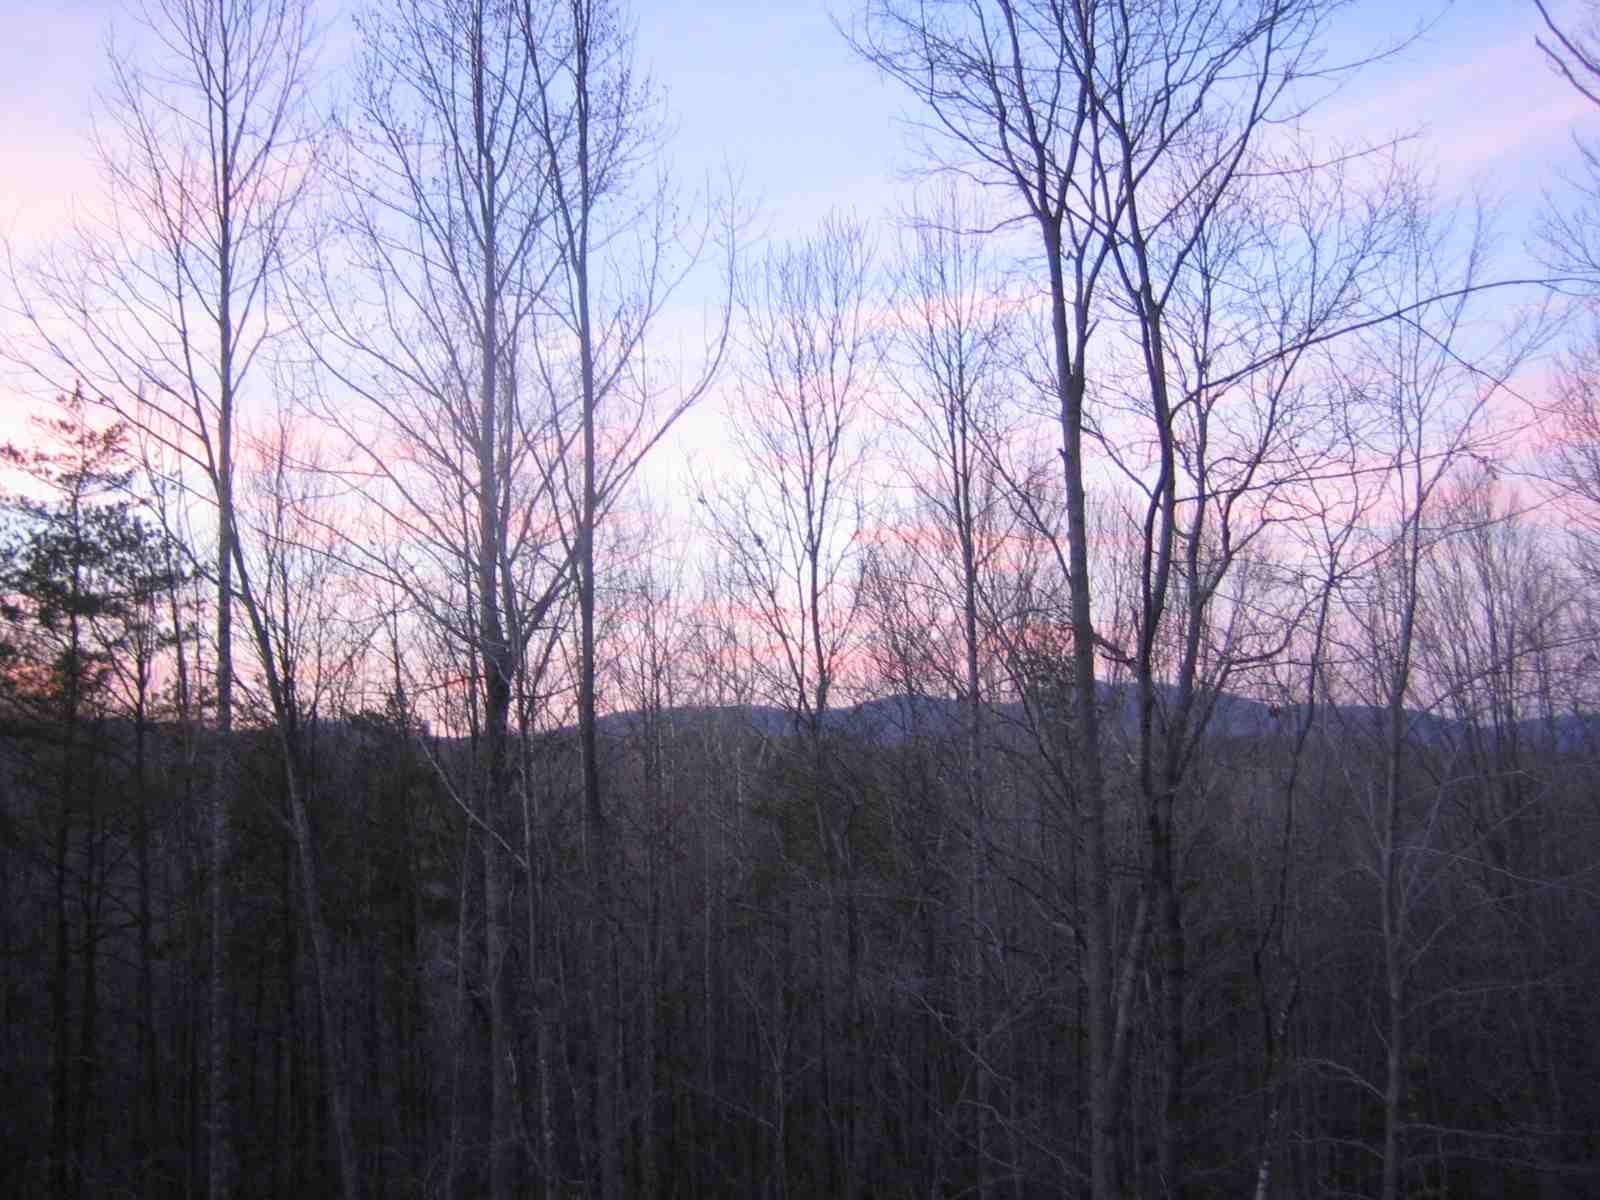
column 772, row 89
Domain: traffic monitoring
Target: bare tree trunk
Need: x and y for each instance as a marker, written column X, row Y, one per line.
column 270, row 639
column 1393, row 901
column 977, row 803
column 498, row 672
column 62, row 1170
column 460, row 1013
column 1098, row 933
column 148, row 1120
column 89, row 994
column 597, row 834
column 538, row 945
column 220, row 1167
column 336, row 1069
column 502, row 1125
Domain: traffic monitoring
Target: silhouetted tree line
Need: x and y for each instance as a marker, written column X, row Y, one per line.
column 804, row 987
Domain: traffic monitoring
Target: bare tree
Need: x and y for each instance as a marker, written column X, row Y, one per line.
column 303, row 653
column 790, row 528
column 167, row 299
column 425, row 306
column 621, row 255
column 1334, row 510
column 1571, row 462
column 807, row 375
column 1572, row 51
column 949, row 363
column 1120, row 134
column 1570, row 236
column 1430, row 421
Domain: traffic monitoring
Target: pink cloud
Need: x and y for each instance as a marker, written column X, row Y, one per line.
column 1483, row 98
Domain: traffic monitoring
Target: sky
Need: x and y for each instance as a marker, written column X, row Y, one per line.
column 772, row 91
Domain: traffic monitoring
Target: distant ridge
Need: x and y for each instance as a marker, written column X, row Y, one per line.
column 897, row 718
